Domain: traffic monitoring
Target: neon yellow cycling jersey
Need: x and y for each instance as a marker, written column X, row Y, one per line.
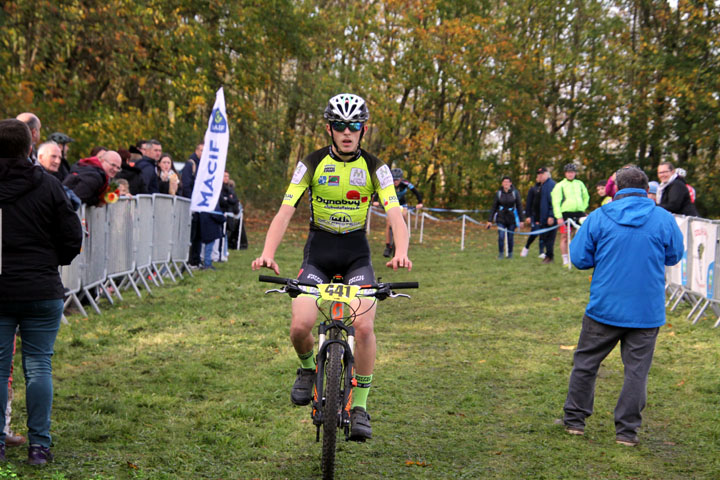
column 341, row 191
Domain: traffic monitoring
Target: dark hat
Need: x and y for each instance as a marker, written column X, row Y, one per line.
column 61, row 138
column 571, row 167
column 134, row 149
column 542, row 170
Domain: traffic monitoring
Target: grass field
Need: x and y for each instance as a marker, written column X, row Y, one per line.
column 471, row 373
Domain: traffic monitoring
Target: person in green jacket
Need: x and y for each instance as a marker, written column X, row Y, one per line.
column 570, row 199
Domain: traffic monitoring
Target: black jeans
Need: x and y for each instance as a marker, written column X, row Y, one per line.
column 547, row 239
column 597, row 340
column 195, row 240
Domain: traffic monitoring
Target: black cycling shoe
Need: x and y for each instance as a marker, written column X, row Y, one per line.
column 302, row 390
column 388, row 251
column 360, row 429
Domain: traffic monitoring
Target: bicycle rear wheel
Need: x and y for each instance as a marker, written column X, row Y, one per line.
column 331, row 408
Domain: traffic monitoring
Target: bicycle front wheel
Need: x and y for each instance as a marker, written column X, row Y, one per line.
column 331, row 408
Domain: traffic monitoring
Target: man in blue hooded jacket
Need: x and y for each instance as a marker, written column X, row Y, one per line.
column 628, row 242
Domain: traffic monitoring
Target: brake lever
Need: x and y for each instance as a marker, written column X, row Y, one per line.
column 276, row 290
column 396, row 295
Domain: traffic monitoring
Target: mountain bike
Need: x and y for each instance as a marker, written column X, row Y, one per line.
column 334, row 373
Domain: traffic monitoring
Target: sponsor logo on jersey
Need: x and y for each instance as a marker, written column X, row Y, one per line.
column 392, row 198
column 299, row 173
column 329, row 168
column 334, row 180
column 355, row 195
column 289, row 196
column 357, row 278
column 314, row 278
column 339, row 201
column 340, row 217
column 384, row 176
column 358, row 177
column 322, row 180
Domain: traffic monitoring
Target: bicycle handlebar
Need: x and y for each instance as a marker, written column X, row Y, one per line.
column 295, row 282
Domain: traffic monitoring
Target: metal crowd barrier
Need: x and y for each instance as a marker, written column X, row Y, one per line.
column 180, row 251
column 71, row 275
column 124, row 244
column 163, row 218
column 121, row 248
column 693, row 279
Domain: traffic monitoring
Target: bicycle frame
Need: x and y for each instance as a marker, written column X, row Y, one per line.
column 336, row 328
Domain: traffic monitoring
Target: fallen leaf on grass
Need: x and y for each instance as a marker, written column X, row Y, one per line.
column 567, row 347
column 669, row 443
column 555, row 299
column 681, row 383
column 419, row 464
column 199, row 290
column 132, row 465
column 671, row 334
column 482, row 361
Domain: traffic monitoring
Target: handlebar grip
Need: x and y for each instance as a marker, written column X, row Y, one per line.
column 403, row 285
column 269, row 279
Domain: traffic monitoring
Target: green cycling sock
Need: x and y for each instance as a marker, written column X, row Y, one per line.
column 307, row 360
column 361, row 391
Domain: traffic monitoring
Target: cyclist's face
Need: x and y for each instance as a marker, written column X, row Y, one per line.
column 346, row 140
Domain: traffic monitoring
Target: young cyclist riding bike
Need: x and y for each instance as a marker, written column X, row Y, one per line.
column 342, row 179
column 402, row 187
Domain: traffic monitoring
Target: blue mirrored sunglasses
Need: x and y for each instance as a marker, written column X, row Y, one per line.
column 341, row 126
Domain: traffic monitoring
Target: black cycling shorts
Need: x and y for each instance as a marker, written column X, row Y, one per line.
column 328, row 254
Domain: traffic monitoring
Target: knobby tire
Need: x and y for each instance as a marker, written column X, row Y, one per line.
column 331, row 409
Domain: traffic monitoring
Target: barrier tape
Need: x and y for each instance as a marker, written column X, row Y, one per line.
column 536, row 232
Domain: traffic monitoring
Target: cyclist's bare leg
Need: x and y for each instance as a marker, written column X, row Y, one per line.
column 564, row 242
column 304, row 315
column 364, row 337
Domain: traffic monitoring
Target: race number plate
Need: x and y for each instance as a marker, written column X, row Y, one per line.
column 337, row 292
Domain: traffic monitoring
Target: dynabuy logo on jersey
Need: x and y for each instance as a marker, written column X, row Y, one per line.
column 219, row 124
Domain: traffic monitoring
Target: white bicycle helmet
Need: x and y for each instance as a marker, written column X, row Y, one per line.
column 346, row 107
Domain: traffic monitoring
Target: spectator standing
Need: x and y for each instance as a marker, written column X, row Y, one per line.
column 49, row 157
column 602, row 193
column 33, row 123
column 673, row 194
column 40, row 232
column 130, row 173
column 506, row 205
column 168, row 179
column 189, row 173
column 532, row 213
column 229, row 204
column 546, row 215
column 89, row 178
column 570, row 199
column 63, row 142
column 632, row 234
column 148, row 163
column 237, row 238
column 211, row 227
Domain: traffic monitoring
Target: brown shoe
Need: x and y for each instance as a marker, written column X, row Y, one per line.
column 547, row 260
column 628, row 442
column 14, row 439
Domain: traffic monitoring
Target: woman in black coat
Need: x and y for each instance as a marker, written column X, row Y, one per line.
column 40, row 231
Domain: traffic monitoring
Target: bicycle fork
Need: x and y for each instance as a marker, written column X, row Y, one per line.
column 330, row 332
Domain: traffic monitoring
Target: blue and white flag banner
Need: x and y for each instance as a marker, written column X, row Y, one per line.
column 208, row 181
